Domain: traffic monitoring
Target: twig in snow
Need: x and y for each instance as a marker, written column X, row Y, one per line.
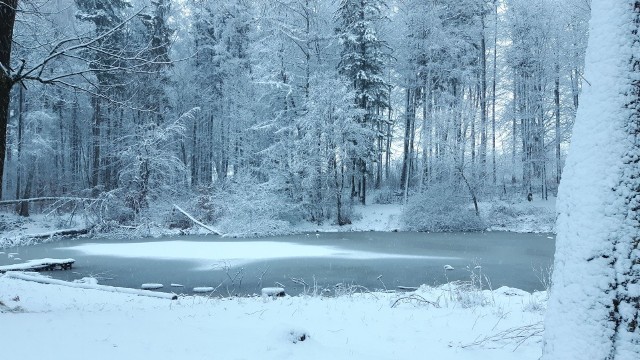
column 517, row 335
column 414, row 298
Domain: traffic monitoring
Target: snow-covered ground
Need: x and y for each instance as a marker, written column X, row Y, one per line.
column 522, row 217
column 373, row 217
column 18, row 231
column 449, row 322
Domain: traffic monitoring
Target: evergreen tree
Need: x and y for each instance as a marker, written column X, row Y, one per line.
column 362, row 61
column 107, row 58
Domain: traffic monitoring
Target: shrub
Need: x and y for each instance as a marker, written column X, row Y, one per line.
column 441, row 209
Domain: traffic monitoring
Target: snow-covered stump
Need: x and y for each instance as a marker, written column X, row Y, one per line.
column 273, row 292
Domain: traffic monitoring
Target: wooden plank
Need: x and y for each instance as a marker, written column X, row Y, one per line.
column 39, row 265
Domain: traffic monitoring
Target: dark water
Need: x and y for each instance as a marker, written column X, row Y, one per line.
column 506, row 259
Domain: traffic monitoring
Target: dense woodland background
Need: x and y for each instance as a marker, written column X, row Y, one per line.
column 268, row 113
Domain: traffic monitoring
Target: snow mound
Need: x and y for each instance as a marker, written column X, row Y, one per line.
column 273, row 292
column 86, row 280
column 203, row 289
column 151, row 286
column 298, row 335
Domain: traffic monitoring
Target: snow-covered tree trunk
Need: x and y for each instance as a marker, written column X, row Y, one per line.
column 594, row 303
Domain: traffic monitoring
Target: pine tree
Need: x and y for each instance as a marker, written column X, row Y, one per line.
column 362, row 60
column 104, row 15
column 156, row 81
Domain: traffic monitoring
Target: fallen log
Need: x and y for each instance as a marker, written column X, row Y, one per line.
column 48, row 281
column 63, row 232
column 206, row 227
column 49, row 198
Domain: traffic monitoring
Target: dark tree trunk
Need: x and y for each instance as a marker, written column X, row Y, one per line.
column 410, row 118
column 483, row 101
column 19, row 140
column 24, row 206
column 493, row 93
column 557, row 105
column 7, row 20
column 95, row 139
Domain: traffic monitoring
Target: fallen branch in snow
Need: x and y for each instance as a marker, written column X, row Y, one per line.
column 18, row 201
column 45, row 280
column 407, row 288
column 413, row 298
column 518, row 335
column 64, row 232
column 206, row 227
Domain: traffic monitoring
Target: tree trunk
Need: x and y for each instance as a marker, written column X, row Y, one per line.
column 514, row 130
column 594, row 302
column 24, row 206
column 557, row 103
column 95, row 143
column 483, row 99
column 410, row 118
column 19, row 141
column 7, row 21
column 493, row 93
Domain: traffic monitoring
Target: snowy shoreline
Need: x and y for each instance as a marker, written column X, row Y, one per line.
column 537, row 217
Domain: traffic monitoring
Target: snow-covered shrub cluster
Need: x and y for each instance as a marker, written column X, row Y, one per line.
column 386, row 195
column 524, row 217
column 246, row 207
column 441, row 208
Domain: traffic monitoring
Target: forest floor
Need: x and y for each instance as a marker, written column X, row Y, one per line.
column 453, row 321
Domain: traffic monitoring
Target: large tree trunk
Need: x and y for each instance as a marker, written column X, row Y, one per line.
column 7, row 20
column 594, row 305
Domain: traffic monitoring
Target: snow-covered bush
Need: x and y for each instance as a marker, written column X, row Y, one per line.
column 386, row 195
column 244, row 206
column 151, row 165
column 441, row 208
column 521, row 216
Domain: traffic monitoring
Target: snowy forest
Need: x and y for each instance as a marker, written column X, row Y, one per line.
column 388, row 175
column 269, row 113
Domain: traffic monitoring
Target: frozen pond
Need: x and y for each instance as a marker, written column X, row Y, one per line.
column 243, row 266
